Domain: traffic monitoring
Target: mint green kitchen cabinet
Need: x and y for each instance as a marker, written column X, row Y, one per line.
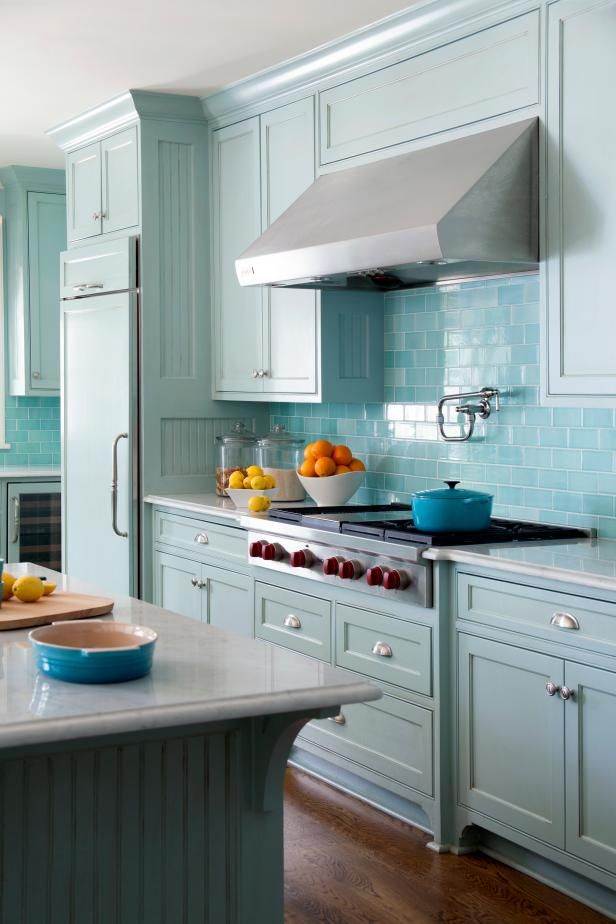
column 511, row 745
column 35, row 236
column 590, row 760
column 176, row 585
column 103, row 186
column 581, row 182
column 439, row 89
column 276, row 343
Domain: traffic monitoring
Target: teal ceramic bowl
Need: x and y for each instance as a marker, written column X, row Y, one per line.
column 94, row 651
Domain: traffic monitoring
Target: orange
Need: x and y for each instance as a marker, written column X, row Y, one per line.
column 342, row 469
column 307, row 468
column 325, row 466
column 342, row 455
column 308, row 451
column 321, row 449
column 356, row 466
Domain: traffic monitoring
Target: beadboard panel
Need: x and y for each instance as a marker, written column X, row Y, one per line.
column 176, row 192
column 189, row 444
column 145, row 829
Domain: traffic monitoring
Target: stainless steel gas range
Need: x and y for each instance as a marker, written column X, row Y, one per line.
column 376, row 549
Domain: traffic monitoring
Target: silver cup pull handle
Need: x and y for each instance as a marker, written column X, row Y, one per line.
column 114, row 485
column 201, row 538
column 292, row 622
column 564, row 621
column 382, row 649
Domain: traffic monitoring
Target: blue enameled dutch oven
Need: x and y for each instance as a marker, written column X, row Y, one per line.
column 447, row 510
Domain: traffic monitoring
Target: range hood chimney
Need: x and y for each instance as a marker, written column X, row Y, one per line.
column 461, row 208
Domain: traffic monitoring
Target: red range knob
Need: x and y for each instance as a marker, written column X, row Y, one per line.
column 303, row 558
column 272, row 552
column 374, row 576
column 331, row 565
column 255, row 549
column 395, row 580
column 350, row 570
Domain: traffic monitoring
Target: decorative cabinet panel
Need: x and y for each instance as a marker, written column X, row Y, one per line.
column 581, row 182
column 35, row 237
column 293, row 619
column 175, row 585
column 511, row 746
column 103, row 186
column 440, row 89
column 270, row 342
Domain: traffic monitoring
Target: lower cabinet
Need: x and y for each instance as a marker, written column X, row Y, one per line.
column 537, row 749
column 204, row 592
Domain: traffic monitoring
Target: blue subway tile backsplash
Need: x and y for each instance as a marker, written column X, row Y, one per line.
column 32, row 427
column 551, row 464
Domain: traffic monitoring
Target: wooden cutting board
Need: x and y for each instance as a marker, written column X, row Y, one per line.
column 57, row 606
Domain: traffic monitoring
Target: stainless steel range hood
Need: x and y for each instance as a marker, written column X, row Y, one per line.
column 462, row 208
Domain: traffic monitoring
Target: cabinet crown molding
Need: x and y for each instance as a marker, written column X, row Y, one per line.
column 124, row 110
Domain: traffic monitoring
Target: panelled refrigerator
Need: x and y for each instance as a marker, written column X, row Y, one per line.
column 100, row 415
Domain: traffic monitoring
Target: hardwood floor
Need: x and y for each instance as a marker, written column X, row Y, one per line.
column 347, row 863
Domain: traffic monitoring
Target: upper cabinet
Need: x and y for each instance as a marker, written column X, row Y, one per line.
column 268, row 342
column 581, row 189
column 103, row 186
column 441, row 89
column 35, row 236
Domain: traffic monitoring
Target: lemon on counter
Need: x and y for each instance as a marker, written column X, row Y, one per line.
column 253, row 470
column 7, row 585
column 49, row 587
column 259, row 503
column 28, row 588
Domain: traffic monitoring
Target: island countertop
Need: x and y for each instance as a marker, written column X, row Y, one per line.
column 201, row 674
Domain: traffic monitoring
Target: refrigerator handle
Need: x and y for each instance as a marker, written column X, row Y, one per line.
column 114, row 485
column 15, row 538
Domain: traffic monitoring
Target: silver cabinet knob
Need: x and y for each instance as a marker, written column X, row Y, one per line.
column 104, row 216
column 338, row 719
column 96, row 216
column 551, row 688
column 566, row 693
column 202, row 539
column 201, row 584
column 194, row 581
column 255, row 373
column 36, row 375
column 292, row 622
column 382, row 649
column 564, row 621
column 262, row 373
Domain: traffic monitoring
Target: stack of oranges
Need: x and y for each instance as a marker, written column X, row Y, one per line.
column 323, row 459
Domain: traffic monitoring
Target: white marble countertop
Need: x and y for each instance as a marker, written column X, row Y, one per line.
column 208, row 505
column 588, row 562
column 24, row 471
column 200, row 674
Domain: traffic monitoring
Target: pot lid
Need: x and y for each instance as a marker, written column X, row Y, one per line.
column 239, row 433
column 279, row 436
column 451, row 493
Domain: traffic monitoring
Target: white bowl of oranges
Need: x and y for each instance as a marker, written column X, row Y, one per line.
column 253, row 491
column 330, row 474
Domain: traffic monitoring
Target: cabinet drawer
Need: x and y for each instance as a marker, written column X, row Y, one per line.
column 389, row 736
column 406, row 648
column 531, row 610
column 292, row 619
column 99, row 268
column 435, row 91
column 200, row 538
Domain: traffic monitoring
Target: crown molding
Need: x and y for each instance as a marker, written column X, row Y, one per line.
column 426, row 24
column 124, row 110
column 41, row 179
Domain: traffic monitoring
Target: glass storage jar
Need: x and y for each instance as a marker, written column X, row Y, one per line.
column 280, row 454
column 236, row 450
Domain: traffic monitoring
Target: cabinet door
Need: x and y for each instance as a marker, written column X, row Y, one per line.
column 581, row 182
column 590, row 719
column 511, row 747
column 83, row 187
column 176, row 585
column 290, row 321
column 228, row 602
column 46, row 239
column 120, row 181
column 236, row 208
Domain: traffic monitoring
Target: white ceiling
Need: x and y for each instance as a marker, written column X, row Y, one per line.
column 61, row 57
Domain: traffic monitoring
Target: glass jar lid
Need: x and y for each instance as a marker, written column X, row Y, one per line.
column 279, row 437
column 239, row 433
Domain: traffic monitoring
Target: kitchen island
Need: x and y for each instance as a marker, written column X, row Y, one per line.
column 158, row 800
